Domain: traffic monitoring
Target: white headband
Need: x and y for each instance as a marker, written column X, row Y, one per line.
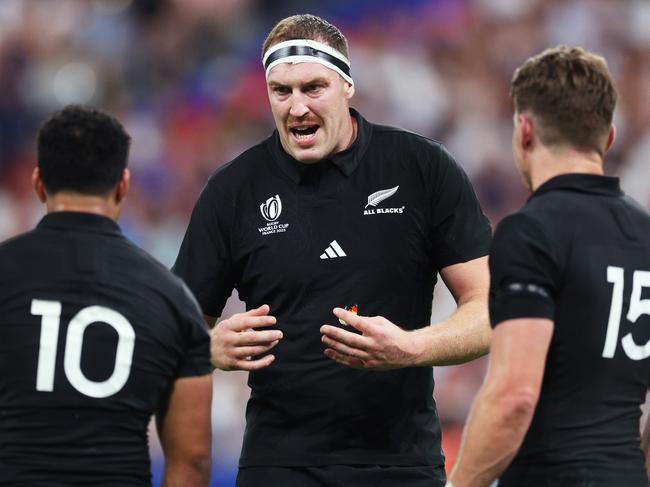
column 307, row 51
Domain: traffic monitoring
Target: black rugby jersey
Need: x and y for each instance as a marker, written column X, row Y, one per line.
column 93, row 332
column 578, row 253
column 370, row 226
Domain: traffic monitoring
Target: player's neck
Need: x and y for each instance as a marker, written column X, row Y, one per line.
column 550, row 163
column 81, row 203
column 353, row 131
column 349, row 135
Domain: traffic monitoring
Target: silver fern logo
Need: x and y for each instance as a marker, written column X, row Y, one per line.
column 271, row 208
column 377, row 197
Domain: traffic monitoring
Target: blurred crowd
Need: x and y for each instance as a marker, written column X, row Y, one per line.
column 185, row 78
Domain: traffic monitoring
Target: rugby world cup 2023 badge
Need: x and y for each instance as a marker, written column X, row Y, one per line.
column 377, row 197
column 271, row 210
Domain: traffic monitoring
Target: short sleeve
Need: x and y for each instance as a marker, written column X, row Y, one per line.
column 522, row 271
column 196, row 355
column 461, row 231
column 204, row 260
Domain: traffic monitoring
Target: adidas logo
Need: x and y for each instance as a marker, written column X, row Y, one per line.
column 333, row 251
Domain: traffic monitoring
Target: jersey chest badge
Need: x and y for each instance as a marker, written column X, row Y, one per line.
column 378, row 197
column 271, row 210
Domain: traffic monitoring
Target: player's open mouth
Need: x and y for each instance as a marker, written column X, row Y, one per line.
column 304, row 133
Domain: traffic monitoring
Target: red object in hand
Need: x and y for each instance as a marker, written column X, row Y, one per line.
column 352, row 309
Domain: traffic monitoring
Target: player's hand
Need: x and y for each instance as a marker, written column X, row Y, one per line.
column 382, row 345
column 235, row 343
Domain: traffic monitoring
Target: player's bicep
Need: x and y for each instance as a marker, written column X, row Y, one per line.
column 467, row 279
column 518, row 355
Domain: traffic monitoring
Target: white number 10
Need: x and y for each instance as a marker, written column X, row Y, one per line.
column 50, row 311
column 638, row 307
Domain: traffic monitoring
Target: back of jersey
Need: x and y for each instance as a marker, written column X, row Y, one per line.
column 598, row 365
column 93, row 333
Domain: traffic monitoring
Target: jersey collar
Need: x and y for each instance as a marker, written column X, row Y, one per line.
column 585, row 183
column 346, row 161
column 72, row 220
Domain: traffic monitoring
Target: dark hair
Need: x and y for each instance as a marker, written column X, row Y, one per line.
column 571, row 94
column 82, row 149
column 306, row 26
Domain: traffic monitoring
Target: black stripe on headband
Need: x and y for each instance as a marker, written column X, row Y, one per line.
column 306, row 51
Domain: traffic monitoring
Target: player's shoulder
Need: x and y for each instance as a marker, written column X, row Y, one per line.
column 540, row 225
column 518, row 224
column 550, row 208
column 543, row 216
column 405, row 139
column 242, row 167
column 19, row 246
column 524, row 237
column 230, row 178
column 636, row 209
column 150, row 274
column 149, row 269
column 569, row 212
column 411, row 151
column 16, row 242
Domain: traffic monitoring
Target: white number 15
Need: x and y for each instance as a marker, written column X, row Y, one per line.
column 638, row 307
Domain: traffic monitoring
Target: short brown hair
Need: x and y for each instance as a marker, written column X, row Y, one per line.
column 571, row 94
column 307, row 26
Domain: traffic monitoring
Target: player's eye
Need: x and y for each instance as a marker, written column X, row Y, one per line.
column 281, row 90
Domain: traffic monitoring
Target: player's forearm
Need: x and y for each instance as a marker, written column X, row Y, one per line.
column 185, row 434
column 462, row 337
column 193, row 472
column 494, row 432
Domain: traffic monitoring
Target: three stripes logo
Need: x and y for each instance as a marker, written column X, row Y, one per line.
column 333, row 251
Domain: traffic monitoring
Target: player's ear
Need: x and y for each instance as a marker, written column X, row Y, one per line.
column 349, row 90
column 39, row 187
column 526, row 128
column 610, row 137
column 123, row 186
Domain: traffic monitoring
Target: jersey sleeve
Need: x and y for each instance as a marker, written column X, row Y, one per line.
column 204, row 260
column 196, row 355
column 461, row 231
column 522, row 271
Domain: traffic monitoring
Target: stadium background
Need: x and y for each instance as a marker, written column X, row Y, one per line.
column 185, row 78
